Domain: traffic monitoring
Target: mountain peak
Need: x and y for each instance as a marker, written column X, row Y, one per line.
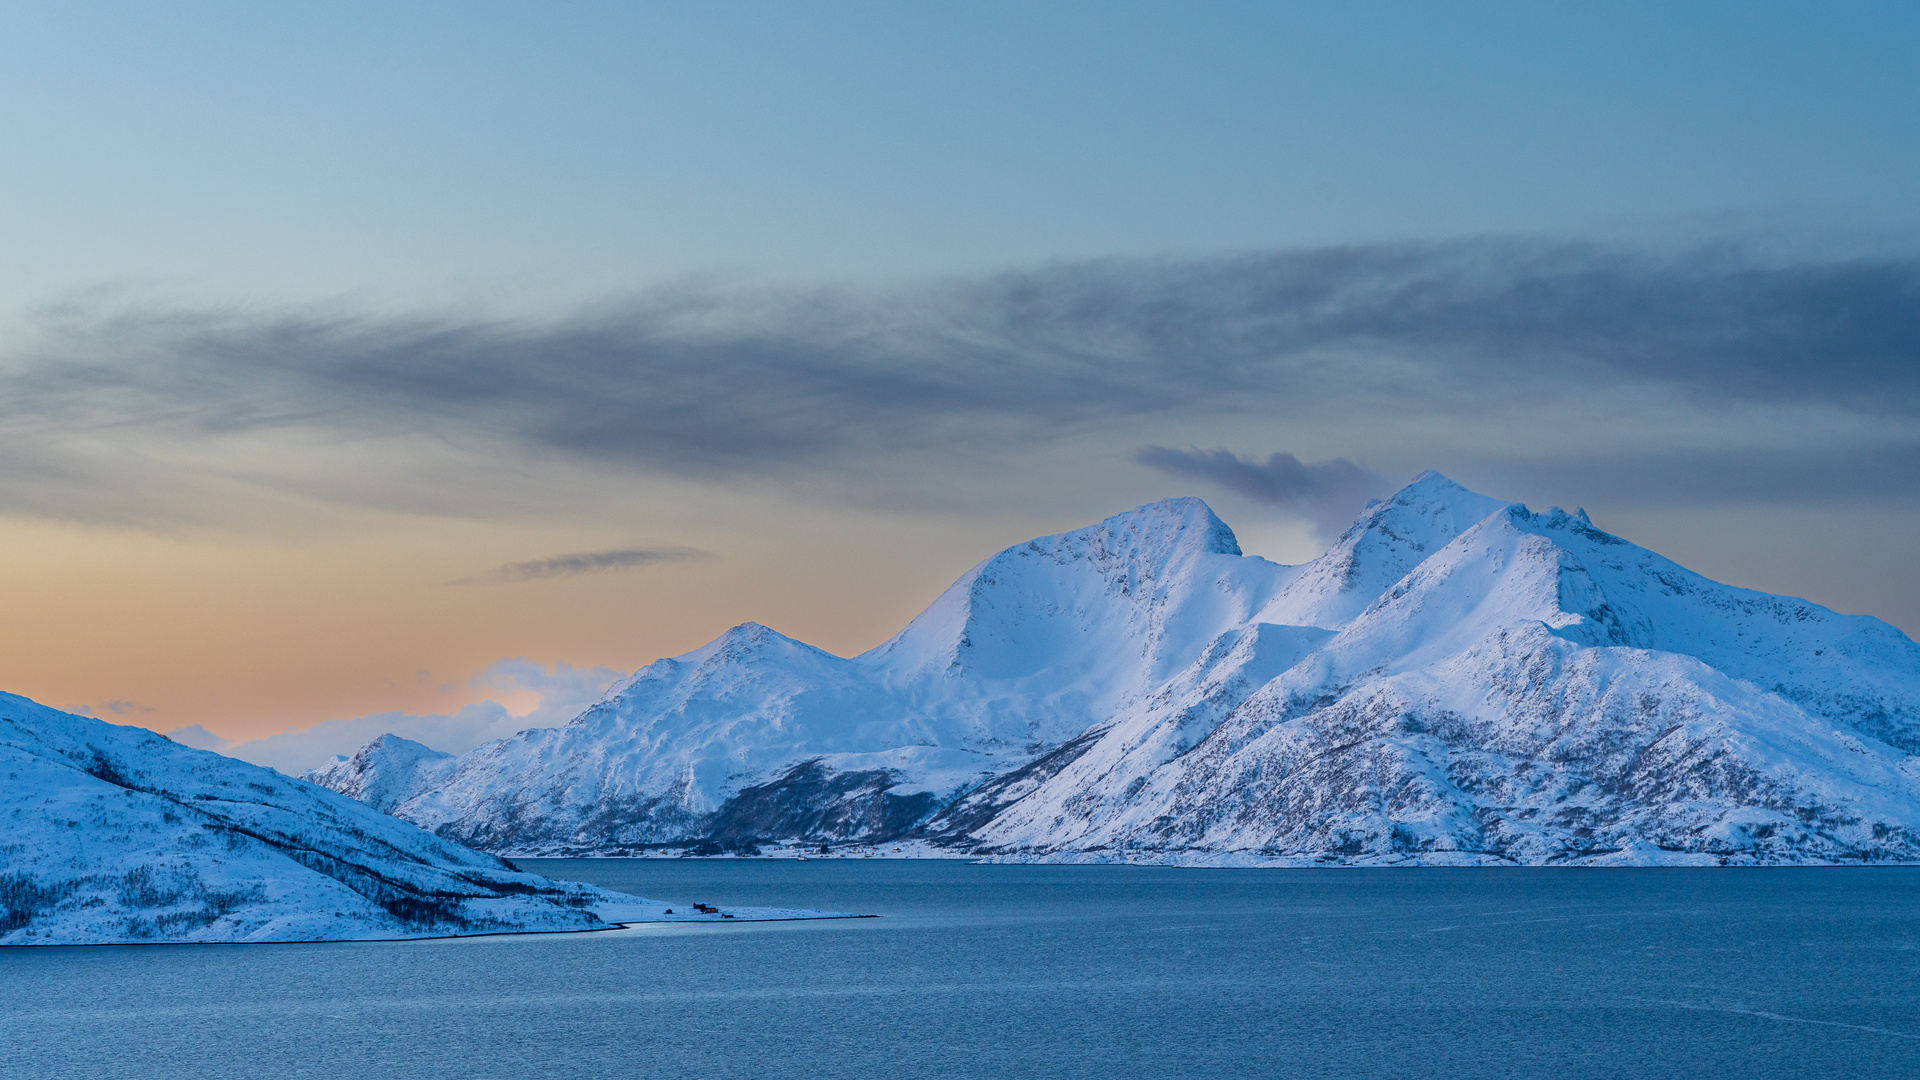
column 1005, row 617
column 1431, row 487
column 394, row 744
column 1384, row 543
column 1170, row 523
column 749, row 636
column 1433, row 498
column 748, row 643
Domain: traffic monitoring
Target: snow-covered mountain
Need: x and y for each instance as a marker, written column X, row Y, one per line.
column 1456, row 680
column 759, row 735
column 384, row 772
column 115, row 834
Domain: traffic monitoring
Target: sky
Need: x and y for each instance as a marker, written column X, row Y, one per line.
column 367, row 362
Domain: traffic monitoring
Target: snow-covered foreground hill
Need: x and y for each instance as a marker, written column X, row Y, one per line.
column 1457, row 680
column 115, row 834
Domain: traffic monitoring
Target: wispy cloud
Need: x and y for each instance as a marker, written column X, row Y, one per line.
column 116, row 707
column 100, row 416
column 1329, row 494
column 590, row 562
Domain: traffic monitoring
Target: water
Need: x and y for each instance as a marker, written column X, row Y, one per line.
column 1046, row 972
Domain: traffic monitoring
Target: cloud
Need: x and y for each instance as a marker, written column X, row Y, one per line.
column 1329, row 494
column 296, row 750
column 116, row 707
column 123, row 412
column 586, row 563
column 197, row 737
column 563, row 692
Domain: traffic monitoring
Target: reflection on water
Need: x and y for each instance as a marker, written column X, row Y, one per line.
column 1011, row 971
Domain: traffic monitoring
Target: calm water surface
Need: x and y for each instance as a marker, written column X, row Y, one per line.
column 1045, row 972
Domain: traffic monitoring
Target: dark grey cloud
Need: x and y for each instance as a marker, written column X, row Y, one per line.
column 781, row 384
column 590, row 562
column 1329, row 494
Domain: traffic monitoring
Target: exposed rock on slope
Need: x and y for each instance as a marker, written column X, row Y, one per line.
column 1456, row 680
column 1021, row 654
column 115, row 834
column 1536, row 691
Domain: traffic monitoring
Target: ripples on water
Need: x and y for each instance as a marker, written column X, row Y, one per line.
column 1045, row 972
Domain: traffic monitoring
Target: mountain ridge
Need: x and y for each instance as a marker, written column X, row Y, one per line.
column 1457, row 679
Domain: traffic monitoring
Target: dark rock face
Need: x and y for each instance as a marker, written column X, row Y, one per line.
column 811, row 802
column 953, row 826
column 614, row 828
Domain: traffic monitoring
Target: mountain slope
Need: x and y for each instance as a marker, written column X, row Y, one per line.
column 1457, row 680
column 385, row 772
column 115, row 834
column 1536, row 691
column 1022, row 653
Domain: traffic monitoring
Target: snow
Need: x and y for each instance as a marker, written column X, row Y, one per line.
column 1457, row 680
column 1522, row 696
column 117, row 835
column 383, row 772
column 1025, row 651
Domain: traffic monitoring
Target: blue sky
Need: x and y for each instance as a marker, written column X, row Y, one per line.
column 560, row 151
column 321, row 323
